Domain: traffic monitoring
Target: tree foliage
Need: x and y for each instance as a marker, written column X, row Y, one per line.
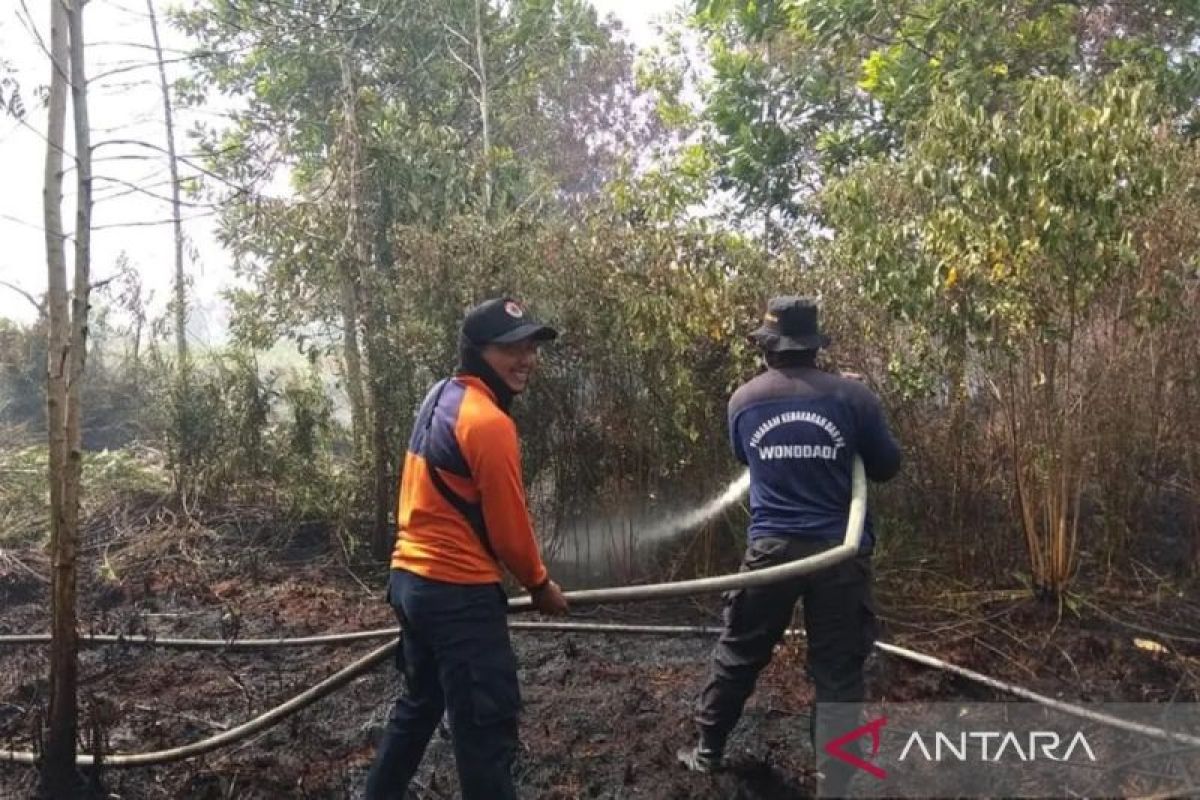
column 801, row 90
column 979, row 191
column 978, row 175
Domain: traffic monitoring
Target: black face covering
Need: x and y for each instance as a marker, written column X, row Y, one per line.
column 791, row 358
column 470, row 362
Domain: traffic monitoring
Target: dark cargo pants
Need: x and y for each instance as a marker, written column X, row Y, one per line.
column 457, row 657
column 839, row 623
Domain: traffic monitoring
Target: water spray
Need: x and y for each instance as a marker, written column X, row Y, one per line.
column 696, row 517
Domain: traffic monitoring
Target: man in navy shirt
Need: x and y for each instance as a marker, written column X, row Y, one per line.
column 798, row 429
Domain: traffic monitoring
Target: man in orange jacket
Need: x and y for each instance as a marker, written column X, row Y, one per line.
column 462, row 514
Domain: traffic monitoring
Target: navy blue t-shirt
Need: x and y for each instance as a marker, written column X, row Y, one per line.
column 798, row 430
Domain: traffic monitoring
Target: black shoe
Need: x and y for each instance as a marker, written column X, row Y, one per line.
column 698, row 759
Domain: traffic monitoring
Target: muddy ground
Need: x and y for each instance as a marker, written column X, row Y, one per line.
column 603, row 713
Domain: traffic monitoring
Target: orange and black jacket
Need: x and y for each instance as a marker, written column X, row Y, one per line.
column 462, row 508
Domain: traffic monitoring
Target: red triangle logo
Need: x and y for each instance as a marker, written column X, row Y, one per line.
column 834, row 747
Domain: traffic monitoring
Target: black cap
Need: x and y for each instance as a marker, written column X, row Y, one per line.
column 502, row 320
column 791, row 323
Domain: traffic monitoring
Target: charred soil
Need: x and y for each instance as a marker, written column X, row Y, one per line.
column 603, row 714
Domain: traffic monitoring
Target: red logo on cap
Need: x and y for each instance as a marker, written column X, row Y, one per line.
column 514, row 310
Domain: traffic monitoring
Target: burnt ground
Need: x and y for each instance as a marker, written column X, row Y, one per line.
column 603, row 713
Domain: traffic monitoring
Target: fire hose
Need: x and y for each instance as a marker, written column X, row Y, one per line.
column 659, row 591
column 645, row 593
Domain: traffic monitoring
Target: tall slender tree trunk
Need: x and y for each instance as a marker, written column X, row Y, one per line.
column 80, row 303
column 181, row 388
column 356, row 260
column 180, row 305
column 351, row 260
column 368, row 310
column 383, row 403
column 58, row 768
column 67, row 354
column 484, row 106
column 381, row 532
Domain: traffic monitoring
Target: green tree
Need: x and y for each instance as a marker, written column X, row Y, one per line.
column 392, row 120
column 800, row 91
column 998, row 232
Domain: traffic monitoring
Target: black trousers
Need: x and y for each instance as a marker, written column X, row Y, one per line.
column 839, row 622
column 457, row 657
